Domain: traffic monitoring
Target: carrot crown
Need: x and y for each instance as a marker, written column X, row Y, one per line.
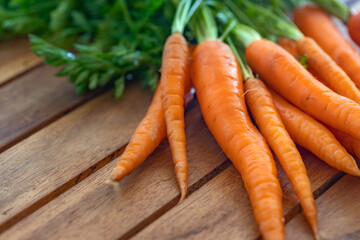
column 245, row 68
column 183, row 14
column 204, row 25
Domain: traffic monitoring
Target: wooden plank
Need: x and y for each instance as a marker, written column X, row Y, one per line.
column 96, row 211
column 16, row 57
column 39, row 168
column 32, row 101
column 221, row 209
column 339, row 213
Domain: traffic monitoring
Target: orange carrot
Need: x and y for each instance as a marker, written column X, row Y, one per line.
column 218, row 82
column 290, row 47
column 351, row 144
column 147, row 136
column 290, row 79
column 312, row 135
column 262, row 108
column 317, row 24
column 329, row 71
column 322, row 67
column 174, row 77
column 354, row 27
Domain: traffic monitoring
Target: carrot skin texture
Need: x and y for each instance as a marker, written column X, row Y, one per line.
column 263, row 110
column 351, row 144
column 150, row 132
column 354, row 27
column 317, row 24
column 286, row 75
column 312, row 135
column 217, row 79
column 330, row 75
column 330, row 72
column 174, row 78
column 290, row 47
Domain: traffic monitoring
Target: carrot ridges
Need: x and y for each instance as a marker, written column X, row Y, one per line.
column 329, row 71
column 147, row 136
column 310, row 19
column 174, row 78
column 263, row 110
column 288, row 77
column 312, row 135
column 218, row 82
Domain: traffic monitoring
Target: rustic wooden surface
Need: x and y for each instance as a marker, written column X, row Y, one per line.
column 57, row 149
column 16, row 57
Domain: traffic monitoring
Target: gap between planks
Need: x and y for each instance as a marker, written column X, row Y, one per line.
column 16, row 58
column 317, row 193
column 338, row 213
column 157, row 214
column 297, row 210
column 223, row 204
column 26, row 162
column 60, row 190
column 63, row 112
column 19, row 75
column 157, row 171
column 83, row 175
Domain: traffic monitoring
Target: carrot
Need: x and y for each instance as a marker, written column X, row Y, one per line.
column 312, row 135
column 150, row 132
column 351, row 144
column 217, row 79
column 329, row 71
column 317, row 24
column 218, row 83
column 290, row 79
column 354, row 27
column 290, row 47
column 147, row 136
column 174, row 77
column 339, row 9
column 262, row 108
column 317, row 59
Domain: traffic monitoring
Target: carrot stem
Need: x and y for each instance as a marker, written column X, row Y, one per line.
column 204, row 25
column 336, row 8
column 181, row 16
column 245, row 69
column 267, row 21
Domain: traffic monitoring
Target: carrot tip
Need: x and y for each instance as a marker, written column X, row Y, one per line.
column 316, row 233
column 109, row 182
column 183, row 195
column 112, row 183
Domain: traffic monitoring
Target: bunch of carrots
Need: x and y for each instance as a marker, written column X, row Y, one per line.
column 316, row 106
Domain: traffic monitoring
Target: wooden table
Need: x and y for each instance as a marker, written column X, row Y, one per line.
column 57, row 149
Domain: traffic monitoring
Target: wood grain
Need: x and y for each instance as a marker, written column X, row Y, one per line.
column 221, row 209
column 39, row 168
column 339, row 213
column 32, row 101
column 92, row 210
column 16, row 57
